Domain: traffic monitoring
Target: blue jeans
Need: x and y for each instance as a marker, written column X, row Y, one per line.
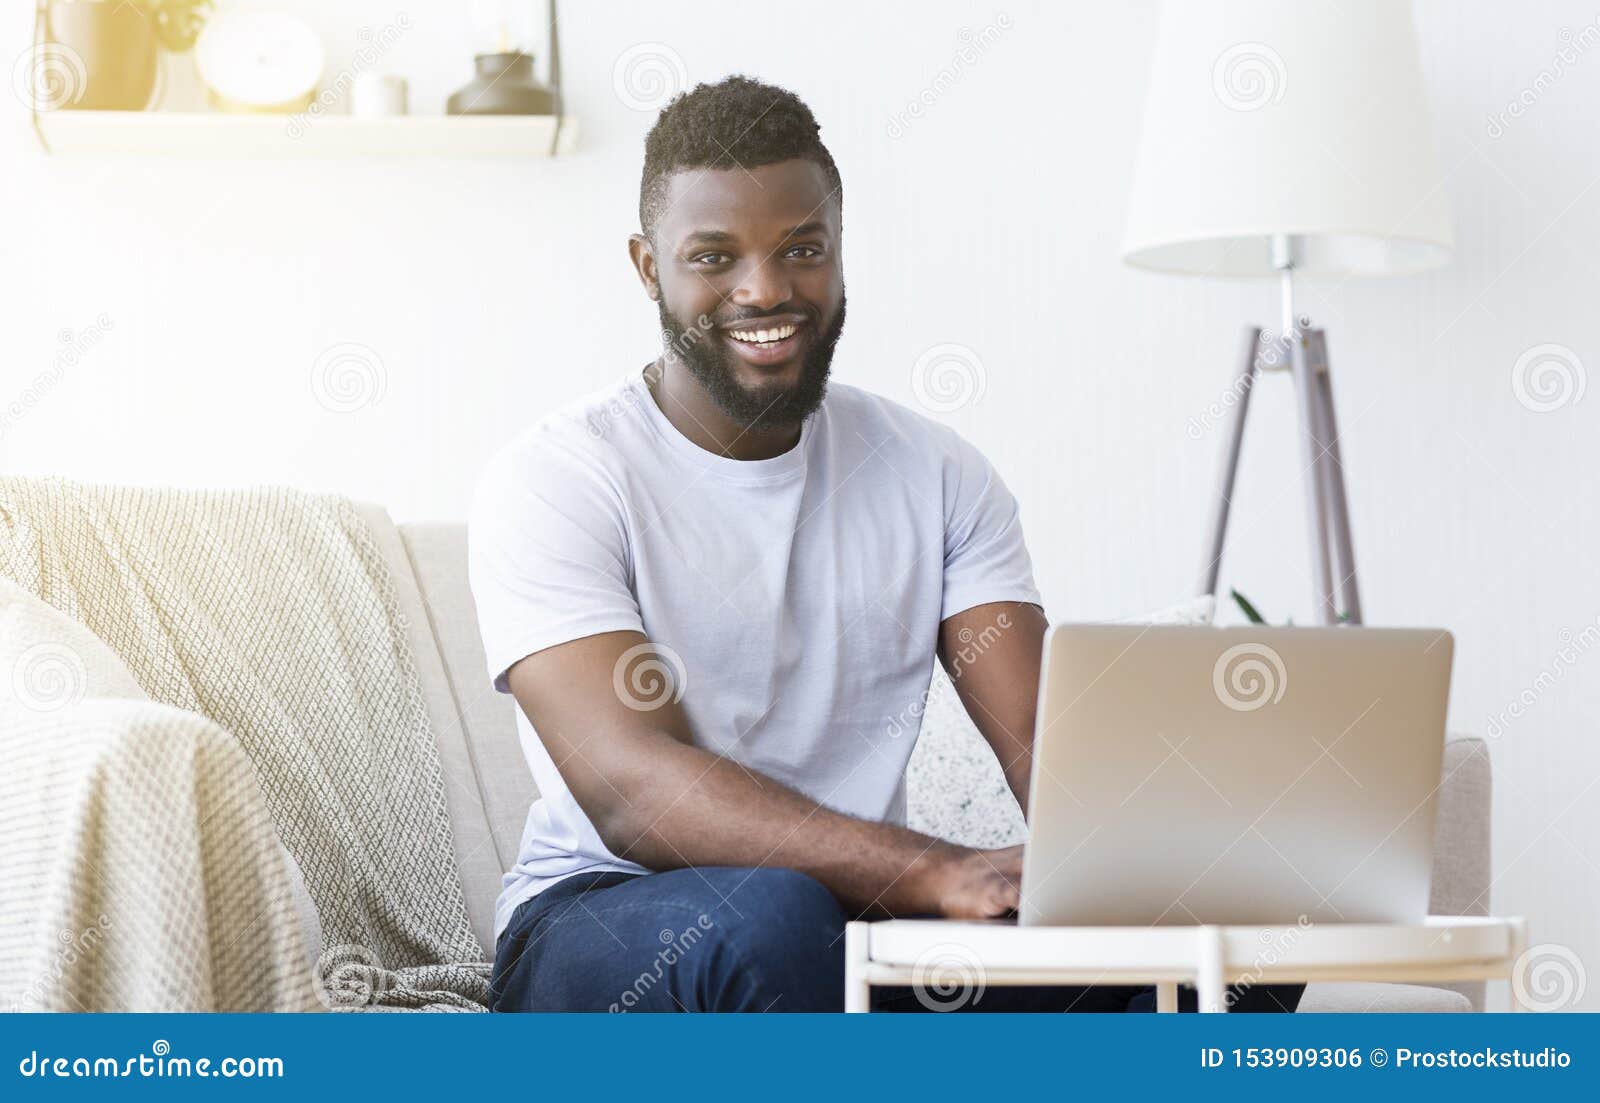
column 727, row 939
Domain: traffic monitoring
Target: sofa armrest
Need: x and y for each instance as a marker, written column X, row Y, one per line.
column 140, row 870
column 1460, row 883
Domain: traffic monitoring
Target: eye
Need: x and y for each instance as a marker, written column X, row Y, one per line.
column 804, row 252
column 712, row 258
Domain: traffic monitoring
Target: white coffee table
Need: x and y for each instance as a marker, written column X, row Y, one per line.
column 941, row 955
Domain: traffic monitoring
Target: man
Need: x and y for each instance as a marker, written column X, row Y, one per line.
column 712, row 590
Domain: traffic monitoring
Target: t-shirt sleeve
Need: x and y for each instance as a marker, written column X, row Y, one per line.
column 547, row 554
column 985, row 557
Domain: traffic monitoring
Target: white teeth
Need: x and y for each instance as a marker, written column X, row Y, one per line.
column 763, row 336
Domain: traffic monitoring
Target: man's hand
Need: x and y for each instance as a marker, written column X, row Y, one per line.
column 978, row 884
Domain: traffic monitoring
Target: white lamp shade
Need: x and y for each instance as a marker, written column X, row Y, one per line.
column 1297, row 117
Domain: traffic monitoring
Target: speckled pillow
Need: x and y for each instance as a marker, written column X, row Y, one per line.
column 954, row 787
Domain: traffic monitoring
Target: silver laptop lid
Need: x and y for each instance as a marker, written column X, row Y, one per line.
column 1244, row 775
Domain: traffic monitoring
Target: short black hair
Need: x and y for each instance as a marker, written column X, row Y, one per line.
column 737, row 122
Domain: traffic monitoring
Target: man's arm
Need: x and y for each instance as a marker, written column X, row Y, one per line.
column 992, row 653
column 660, row 801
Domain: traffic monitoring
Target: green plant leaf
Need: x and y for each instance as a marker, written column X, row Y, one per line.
column 1248, row 609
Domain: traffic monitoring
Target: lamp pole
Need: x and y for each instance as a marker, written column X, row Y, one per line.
column 1327, row 511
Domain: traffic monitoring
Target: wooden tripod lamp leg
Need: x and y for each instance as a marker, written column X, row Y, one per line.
column 1344, row 556
column 1232, row 426
column 1313, row 455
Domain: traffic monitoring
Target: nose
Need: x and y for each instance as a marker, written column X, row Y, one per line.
column 763, row 285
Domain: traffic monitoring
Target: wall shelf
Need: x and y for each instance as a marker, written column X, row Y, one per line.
column 218, row 134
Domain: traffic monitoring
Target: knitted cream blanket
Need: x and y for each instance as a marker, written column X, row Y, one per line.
column 271, row 613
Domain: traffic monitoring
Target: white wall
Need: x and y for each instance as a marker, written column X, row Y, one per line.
column 492, row 292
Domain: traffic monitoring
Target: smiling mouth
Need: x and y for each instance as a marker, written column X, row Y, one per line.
column 766, row 345
column 760, row 337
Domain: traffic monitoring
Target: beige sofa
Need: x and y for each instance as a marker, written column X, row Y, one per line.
column 955, row 787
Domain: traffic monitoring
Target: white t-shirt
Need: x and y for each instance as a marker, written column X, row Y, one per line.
column 797, row 599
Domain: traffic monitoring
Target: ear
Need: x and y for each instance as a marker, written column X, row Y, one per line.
column 643, row 255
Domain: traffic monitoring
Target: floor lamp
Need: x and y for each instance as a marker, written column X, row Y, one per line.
column 1282, row 139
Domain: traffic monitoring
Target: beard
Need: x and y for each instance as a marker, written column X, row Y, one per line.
column 770, row 406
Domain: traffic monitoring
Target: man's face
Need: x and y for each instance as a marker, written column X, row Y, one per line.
column 744, row 255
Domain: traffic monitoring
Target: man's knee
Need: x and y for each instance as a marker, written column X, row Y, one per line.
column 781, row 935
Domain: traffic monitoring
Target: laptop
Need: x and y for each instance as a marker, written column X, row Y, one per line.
column 1253, row 776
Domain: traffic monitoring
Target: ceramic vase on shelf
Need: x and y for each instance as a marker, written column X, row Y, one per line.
column 103, row 54
column 503, row 81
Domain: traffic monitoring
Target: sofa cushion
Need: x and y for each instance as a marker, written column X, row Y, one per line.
column 1341, row 997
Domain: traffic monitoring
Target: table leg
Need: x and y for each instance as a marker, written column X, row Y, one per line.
column 1167, row 996
column 1208, row 975
column 857, row 989
column 1519, row 946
